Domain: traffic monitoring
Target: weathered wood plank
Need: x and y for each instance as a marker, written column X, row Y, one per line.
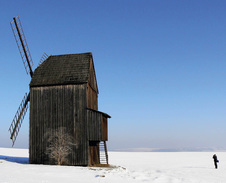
column 58, row 106
column 94, row 121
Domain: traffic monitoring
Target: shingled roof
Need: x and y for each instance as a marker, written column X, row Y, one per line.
column 62, row 69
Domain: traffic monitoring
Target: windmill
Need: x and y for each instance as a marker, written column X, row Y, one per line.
column 63, row 93
column 28, row 63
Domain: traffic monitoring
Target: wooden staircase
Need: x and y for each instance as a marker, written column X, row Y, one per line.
column 103, row 153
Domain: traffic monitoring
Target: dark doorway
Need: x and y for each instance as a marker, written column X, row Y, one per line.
column 94, row 153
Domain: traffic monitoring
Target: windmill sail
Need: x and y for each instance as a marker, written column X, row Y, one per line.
column 28, row 63
column 18, row 119
column 22, row 44
column 43, row 58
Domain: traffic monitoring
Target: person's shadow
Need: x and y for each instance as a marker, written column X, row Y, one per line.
column 21, row 160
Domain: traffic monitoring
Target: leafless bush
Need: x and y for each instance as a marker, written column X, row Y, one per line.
column 60, row 145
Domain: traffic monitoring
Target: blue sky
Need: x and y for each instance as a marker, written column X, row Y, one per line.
column 160, row 65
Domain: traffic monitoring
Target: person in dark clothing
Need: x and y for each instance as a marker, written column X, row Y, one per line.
column 215, row 160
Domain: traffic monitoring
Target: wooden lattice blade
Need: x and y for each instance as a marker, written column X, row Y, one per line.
column 22, row 44
column 18, row 118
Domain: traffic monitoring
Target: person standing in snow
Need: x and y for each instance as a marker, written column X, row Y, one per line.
column 215, row 160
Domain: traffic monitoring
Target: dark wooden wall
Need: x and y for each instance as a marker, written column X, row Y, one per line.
column 92, row 98
column 97, row 126
column 94, row 121
column 92, row 89
column 104, row 129
column 58, row 106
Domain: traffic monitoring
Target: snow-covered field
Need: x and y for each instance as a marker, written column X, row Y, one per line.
column 153, row 167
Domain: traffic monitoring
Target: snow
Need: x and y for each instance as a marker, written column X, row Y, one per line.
column 154, row 167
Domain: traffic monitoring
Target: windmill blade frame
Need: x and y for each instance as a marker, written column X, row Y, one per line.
column 28, row 63
column 43, row 58
column 18, row 118
column 22, row 44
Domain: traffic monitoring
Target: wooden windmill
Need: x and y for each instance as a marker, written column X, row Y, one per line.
column 63, row 93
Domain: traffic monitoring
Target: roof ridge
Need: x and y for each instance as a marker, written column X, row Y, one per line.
column 90, row 53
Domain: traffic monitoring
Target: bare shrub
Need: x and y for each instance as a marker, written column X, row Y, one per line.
column 60, row 145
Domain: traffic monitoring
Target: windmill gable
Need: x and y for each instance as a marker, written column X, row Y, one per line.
column 92, row 77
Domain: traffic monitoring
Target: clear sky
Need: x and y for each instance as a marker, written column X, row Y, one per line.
column 160, row 65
